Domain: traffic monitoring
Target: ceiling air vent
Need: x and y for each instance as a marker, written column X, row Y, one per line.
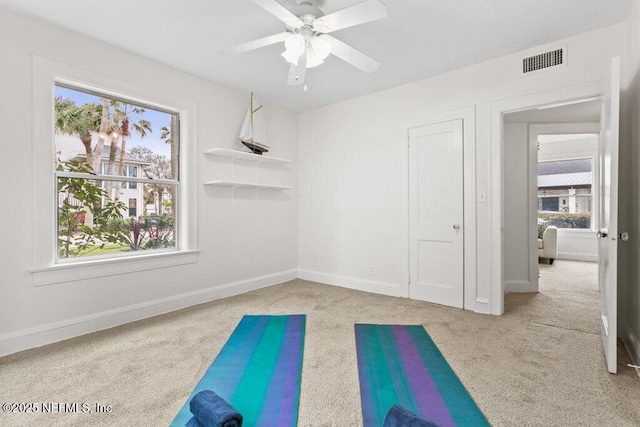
column 553, row 58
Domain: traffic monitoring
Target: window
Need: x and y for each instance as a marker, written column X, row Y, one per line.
column 565, row 192
column 133, row 208
column 99, row 139
column 133, row 171
column 46, row 266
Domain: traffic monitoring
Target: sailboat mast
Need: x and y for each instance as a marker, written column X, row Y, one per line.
column 252, row 134
column 251, row 117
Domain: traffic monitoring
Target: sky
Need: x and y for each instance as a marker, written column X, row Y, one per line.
column 158, row 119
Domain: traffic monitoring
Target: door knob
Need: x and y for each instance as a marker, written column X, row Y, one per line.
column 624, row 236
column 601, row 234
column 456, row 227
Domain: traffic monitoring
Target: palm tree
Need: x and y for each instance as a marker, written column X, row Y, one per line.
column 126, row 118
column 107, row 130
column 104, row 129
column 168, row 136
column 81, row 121
column 68, row 116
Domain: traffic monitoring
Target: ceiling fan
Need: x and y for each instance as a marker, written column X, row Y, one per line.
column 307, row 40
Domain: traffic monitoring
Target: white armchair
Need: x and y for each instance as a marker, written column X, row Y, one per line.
column 548, row 245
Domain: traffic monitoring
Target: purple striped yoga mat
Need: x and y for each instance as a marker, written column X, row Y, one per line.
column 258, row 371
column 400, row 364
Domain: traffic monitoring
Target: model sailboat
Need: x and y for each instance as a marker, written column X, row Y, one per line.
column 253, row 133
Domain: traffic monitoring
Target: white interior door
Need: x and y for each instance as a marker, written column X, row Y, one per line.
column 436, row 229
column 608, row 218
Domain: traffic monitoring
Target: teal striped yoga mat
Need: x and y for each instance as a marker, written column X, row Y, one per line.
column 258, row 371
column 400, row 364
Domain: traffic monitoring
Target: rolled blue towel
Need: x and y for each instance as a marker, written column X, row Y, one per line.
column 399, row 416
column 193, row 422
column 210, row 410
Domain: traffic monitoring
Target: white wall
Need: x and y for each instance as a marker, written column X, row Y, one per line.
column 244, row 243
column 516, row 208
column 351, row 159
column 629, row 292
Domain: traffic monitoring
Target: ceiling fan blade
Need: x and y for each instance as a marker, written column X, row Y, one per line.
column 298, row 72
column 255, row 44
column 361, row 13
column 353, row 56
column 280, row 12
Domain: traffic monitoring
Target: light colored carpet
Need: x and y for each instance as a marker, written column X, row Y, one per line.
column 519, row 372
column 568, row 297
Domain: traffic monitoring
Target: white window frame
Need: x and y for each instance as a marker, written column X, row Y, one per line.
column 44, row 269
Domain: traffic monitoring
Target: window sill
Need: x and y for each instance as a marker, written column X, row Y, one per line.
column 61, row 273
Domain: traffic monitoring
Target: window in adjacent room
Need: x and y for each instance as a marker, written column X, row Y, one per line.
column 565, row 192
column 116, row 168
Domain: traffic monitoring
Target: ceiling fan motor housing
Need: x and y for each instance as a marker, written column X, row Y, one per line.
column 307, row 12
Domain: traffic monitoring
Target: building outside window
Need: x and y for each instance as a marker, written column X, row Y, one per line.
column 565, row 192
column 99, row 140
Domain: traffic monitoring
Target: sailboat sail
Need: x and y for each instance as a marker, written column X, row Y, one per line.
column 253, row 132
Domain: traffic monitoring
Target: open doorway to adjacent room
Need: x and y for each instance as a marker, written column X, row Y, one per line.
column 550, row 215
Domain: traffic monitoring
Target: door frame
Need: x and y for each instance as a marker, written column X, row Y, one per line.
column 468, row 116
column 496, row 180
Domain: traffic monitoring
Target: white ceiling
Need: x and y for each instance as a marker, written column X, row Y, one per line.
column 419, row 38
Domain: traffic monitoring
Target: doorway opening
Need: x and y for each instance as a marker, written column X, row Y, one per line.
column 608, row 93
column 550, row 215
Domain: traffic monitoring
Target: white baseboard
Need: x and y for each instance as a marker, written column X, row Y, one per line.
column 46, row 334
column 517, row 286
column 632, row 344
column 574, row 256
column 384, row 288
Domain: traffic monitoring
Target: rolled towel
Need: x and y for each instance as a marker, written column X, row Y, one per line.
column 193, row 422
column 399, row 416
column 210, row 410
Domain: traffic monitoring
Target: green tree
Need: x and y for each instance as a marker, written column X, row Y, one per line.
column 81, row 121
column 104, row 129
column 77, row 197
column 109, row 132
column 127, row 118
column 144, row 232
column 170, row 136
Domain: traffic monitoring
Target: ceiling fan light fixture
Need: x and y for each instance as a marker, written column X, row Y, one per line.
column 306, row 39
column 313, row 60
column 295, row 44
column 290, row 58
column 321, row 46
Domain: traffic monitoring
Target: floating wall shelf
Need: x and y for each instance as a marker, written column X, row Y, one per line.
column 234, row 154
column 235, row 184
